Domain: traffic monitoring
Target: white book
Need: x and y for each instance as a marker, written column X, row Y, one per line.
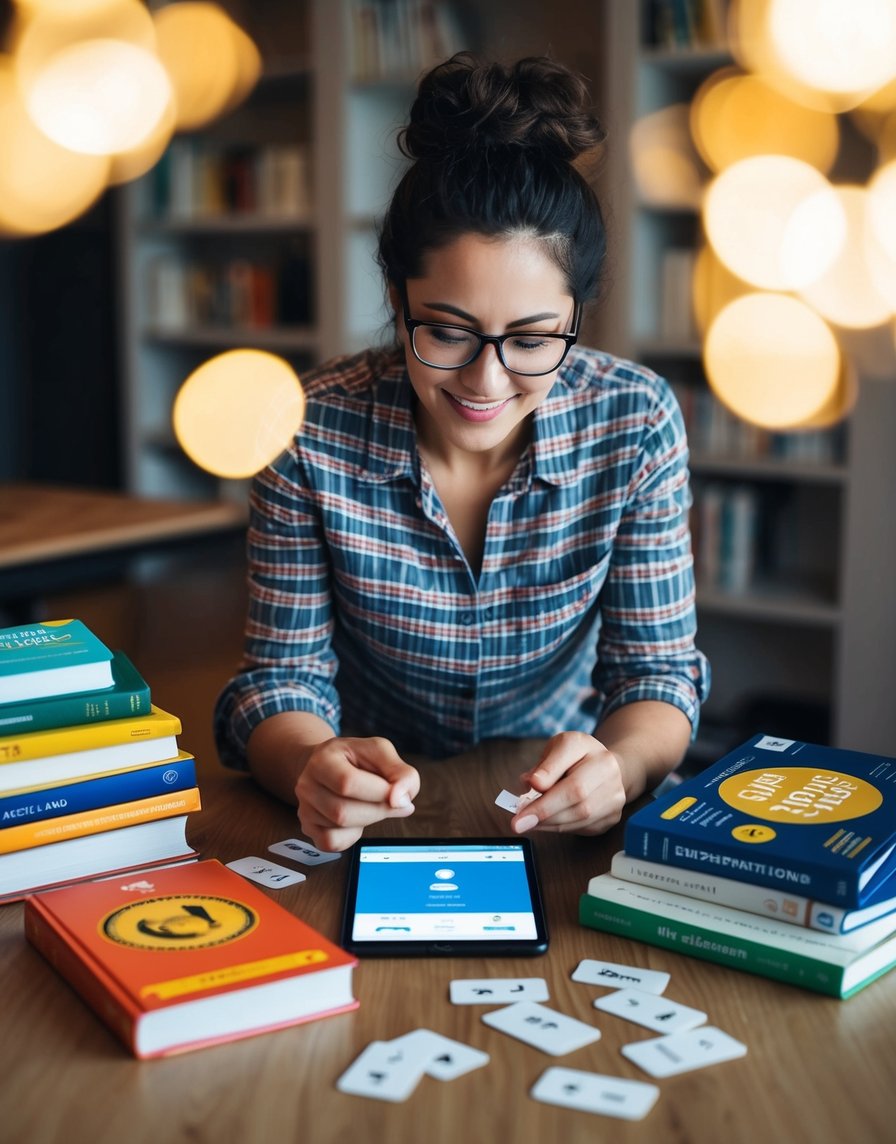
column 763, row 900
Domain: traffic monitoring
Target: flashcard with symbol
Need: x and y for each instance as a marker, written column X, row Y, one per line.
column 544, row 1028
column 270, row 874
column 682, row 1052
column 613, row 976
column 591, row 1092
column 657, row 1013
column 304, row 852
column 440, row 1056
column 383, row 1072
column 515, row 802
column 497, row 990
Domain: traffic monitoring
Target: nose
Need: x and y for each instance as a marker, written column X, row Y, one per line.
column 485, row 376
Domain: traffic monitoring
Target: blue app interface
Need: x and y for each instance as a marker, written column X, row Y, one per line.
column 457, row 892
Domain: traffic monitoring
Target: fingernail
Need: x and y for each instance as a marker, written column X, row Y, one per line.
column 402, row 801
column 526, row 823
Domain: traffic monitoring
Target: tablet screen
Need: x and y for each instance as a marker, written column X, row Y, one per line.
column 448, row 896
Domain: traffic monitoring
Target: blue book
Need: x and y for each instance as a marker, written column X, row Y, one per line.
column 104, row 790
column 819, row 821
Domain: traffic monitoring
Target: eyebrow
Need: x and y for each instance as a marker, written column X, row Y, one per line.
column 458, row 313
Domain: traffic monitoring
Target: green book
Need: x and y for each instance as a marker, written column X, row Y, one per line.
column 55, row 657
column 129, row 696
column 838, row 965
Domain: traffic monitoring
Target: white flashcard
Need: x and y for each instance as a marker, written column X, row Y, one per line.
column 591, row 1092
column 303, row 852
column 613, row 976
column 681, row 1052
column 657, row 1013
column 269, row 874
column 515, row 802
column 544, row 1028
column 497, row 990
column 441, row 1057
column 382, row 1072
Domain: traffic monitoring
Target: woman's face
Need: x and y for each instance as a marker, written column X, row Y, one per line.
column 492, row 286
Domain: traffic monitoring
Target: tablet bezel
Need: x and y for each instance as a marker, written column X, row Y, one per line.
column 523, row 947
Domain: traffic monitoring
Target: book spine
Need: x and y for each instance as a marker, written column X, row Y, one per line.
column 105, row 790
column 24, row 837
column 68, row 740
column 710, row 856
column 74, row 710
column 763, row 900
column 697, row 941
column 89, row 981
column 30, row 773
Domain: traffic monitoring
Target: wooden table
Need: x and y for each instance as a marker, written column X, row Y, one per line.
column 54, row 538
column 817, row 1069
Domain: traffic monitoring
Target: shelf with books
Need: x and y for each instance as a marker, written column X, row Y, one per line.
column 800, row 626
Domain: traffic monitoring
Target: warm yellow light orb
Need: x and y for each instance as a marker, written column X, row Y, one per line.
column 735, row 116
column 205, row 57
column 665, row 163
column 846, row 293
column 763, row 226
column 42, row 185
column 238, row 411
column 772, row 360
column 835, row 46
column 99, row 96
column 713, row 287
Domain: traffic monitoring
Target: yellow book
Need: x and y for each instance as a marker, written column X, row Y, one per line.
column 84, row 736
column 30, row 834
column 42, row 758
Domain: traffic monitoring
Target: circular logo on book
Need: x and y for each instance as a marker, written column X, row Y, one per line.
column 179, row 921
column 804, row 795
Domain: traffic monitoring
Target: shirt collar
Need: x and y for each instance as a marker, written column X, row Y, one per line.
column 392, row 441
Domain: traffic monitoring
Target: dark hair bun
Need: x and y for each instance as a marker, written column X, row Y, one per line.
column 467, row 104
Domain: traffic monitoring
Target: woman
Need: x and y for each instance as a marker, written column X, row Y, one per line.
column 483, row 532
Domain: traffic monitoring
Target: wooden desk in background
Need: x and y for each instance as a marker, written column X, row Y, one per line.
column 55, row 538
column 817, row 1069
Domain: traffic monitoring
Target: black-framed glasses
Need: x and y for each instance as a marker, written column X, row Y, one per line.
column 532, row 354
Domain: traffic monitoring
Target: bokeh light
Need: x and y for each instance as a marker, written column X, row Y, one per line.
column 665, row 162
column 206, row 59
column 762, row 225
column 847, row 49
column 735, row 116
column 99, row 96
column 238, row 411
column 713, row 287
column 772, row 361
column 42, row 185
column 846, row 293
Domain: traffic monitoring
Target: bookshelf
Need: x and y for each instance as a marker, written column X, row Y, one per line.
column 793, row 539
column 258, row 231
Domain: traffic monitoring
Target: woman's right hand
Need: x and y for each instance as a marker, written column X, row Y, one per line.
column 348, row 784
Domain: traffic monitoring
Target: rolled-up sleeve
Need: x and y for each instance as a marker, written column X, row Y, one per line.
column 288, row 662
column 646, row 647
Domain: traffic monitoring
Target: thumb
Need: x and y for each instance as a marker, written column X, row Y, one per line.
column 380, row 756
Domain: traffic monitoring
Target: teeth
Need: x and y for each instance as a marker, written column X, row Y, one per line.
column 480, row 406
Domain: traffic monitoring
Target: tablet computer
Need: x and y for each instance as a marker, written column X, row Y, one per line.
column 446, row 897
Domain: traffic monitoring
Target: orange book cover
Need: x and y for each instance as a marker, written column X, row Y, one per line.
column 84, row 822
column 184, row 957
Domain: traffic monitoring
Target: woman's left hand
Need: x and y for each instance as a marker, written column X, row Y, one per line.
column 581, row 786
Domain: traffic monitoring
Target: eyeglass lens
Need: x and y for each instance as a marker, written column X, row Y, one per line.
column 452, row 347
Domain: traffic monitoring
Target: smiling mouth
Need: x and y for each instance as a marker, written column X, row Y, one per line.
column 477, row 410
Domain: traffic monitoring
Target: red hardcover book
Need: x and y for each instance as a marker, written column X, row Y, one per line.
column 188, row 956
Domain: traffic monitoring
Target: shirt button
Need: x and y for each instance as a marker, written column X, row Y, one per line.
column 466, row 618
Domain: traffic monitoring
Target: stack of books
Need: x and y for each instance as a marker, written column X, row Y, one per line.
column 779, row 859
column 92, row 781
